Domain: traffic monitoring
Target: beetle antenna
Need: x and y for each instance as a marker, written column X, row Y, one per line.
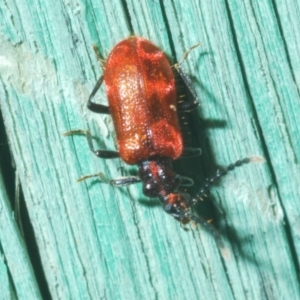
column 220, row 173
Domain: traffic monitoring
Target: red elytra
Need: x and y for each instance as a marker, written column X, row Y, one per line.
column 141, row 91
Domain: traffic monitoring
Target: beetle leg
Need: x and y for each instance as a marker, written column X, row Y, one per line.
column 97, row 108
column 99, row 153
column 190, row 104
column 123, row 181
column 191, row 152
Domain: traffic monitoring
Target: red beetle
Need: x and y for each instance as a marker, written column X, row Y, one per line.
column 141, row 91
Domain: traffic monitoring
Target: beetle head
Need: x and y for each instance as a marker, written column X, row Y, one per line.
column 177, row 205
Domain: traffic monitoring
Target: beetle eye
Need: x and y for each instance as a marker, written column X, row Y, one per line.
column 149, row 176
column 148, row 186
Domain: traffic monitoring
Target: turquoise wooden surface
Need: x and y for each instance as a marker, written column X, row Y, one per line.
column 14, row 260
column 97, row 241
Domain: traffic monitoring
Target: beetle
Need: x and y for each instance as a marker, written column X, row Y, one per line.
column 141, row 92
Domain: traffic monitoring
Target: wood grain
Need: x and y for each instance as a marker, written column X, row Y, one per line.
column 99, row 242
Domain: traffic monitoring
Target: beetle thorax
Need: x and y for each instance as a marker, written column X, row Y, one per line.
column 158, row 177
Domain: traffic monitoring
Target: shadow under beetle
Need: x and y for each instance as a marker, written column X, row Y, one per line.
column 141, row 91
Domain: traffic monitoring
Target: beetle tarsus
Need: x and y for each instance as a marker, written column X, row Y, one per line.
column 186, row 53
column 106, row 154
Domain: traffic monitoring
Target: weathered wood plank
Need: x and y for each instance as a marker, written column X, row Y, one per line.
column 14, row 261
column 98, row 241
